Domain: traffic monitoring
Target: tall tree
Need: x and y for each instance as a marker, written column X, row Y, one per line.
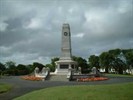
column 94, row 61
column 115, row 52
column 53, row 60
column 2, row 67
column 39, row 65
column 105, row 60
column 22, row 69
column 10, row 65
column 31, row 68
column 129, row 58
column 81, row 62
column 119, row 66
column 52, row 69
column 52, row 66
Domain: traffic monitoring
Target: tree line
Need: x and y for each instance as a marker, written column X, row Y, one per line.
column 119, row 60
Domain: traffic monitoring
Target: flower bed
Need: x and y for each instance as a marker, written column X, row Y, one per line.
column 32, row 78
column 92, row 79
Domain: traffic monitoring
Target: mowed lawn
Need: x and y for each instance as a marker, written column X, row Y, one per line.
column 83, row 92
column 4, row 87
column 119, row 75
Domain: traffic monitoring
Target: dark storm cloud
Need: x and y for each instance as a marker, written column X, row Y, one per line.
column 30, row 30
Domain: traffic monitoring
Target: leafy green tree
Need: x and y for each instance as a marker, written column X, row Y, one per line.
column 119, row 66
column 120, row 63
column 115, row 52
column 81, row 63
column 53, row 60
column 52, row 69
column 53, row 65
column 39, row 65
column 129, row 57
column 94, row 61
column 2, row 67
column 11, row 68
column 31, row 68
column 10, row 65
column 119, row 59
column 105, row 60
column 22, row 69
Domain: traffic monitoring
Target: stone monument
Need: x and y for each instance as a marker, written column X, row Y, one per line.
column 65, row 62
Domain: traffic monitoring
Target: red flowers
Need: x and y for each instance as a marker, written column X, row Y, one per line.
column 92, row 79
column 32, row 78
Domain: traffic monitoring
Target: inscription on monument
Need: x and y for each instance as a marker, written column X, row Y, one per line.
column 64, row 66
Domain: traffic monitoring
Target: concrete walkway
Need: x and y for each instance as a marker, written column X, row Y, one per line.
column 21, row 87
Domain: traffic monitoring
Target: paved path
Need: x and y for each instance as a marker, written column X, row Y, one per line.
column 21, row 87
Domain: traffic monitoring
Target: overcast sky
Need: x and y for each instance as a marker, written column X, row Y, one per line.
column 30, row 30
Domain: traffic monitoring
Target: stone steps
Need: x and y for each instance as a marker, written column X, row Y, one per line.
column 58, row 78
column 62, row 73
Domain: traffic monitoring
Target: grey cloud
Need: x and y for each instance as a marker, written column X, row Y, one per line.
column 33, row 31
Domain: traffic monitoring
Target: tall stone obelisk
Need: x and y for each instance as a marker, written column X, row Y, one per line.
column 66, row 43
column 65, row 61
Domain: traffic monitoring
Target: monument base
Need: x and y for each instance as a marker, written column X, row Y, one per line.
column 63, row 66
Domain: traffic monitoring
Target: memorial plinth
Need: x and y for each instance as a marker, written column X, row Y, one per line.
column 65, row 60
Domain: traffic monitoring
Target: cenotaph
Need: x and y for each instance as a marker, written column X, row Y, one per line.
column 65, row 62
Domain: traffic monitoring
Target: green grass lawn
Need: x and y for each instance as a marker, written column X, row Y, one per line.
column 4, row 87
column 83, row 92
column 118, row 75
